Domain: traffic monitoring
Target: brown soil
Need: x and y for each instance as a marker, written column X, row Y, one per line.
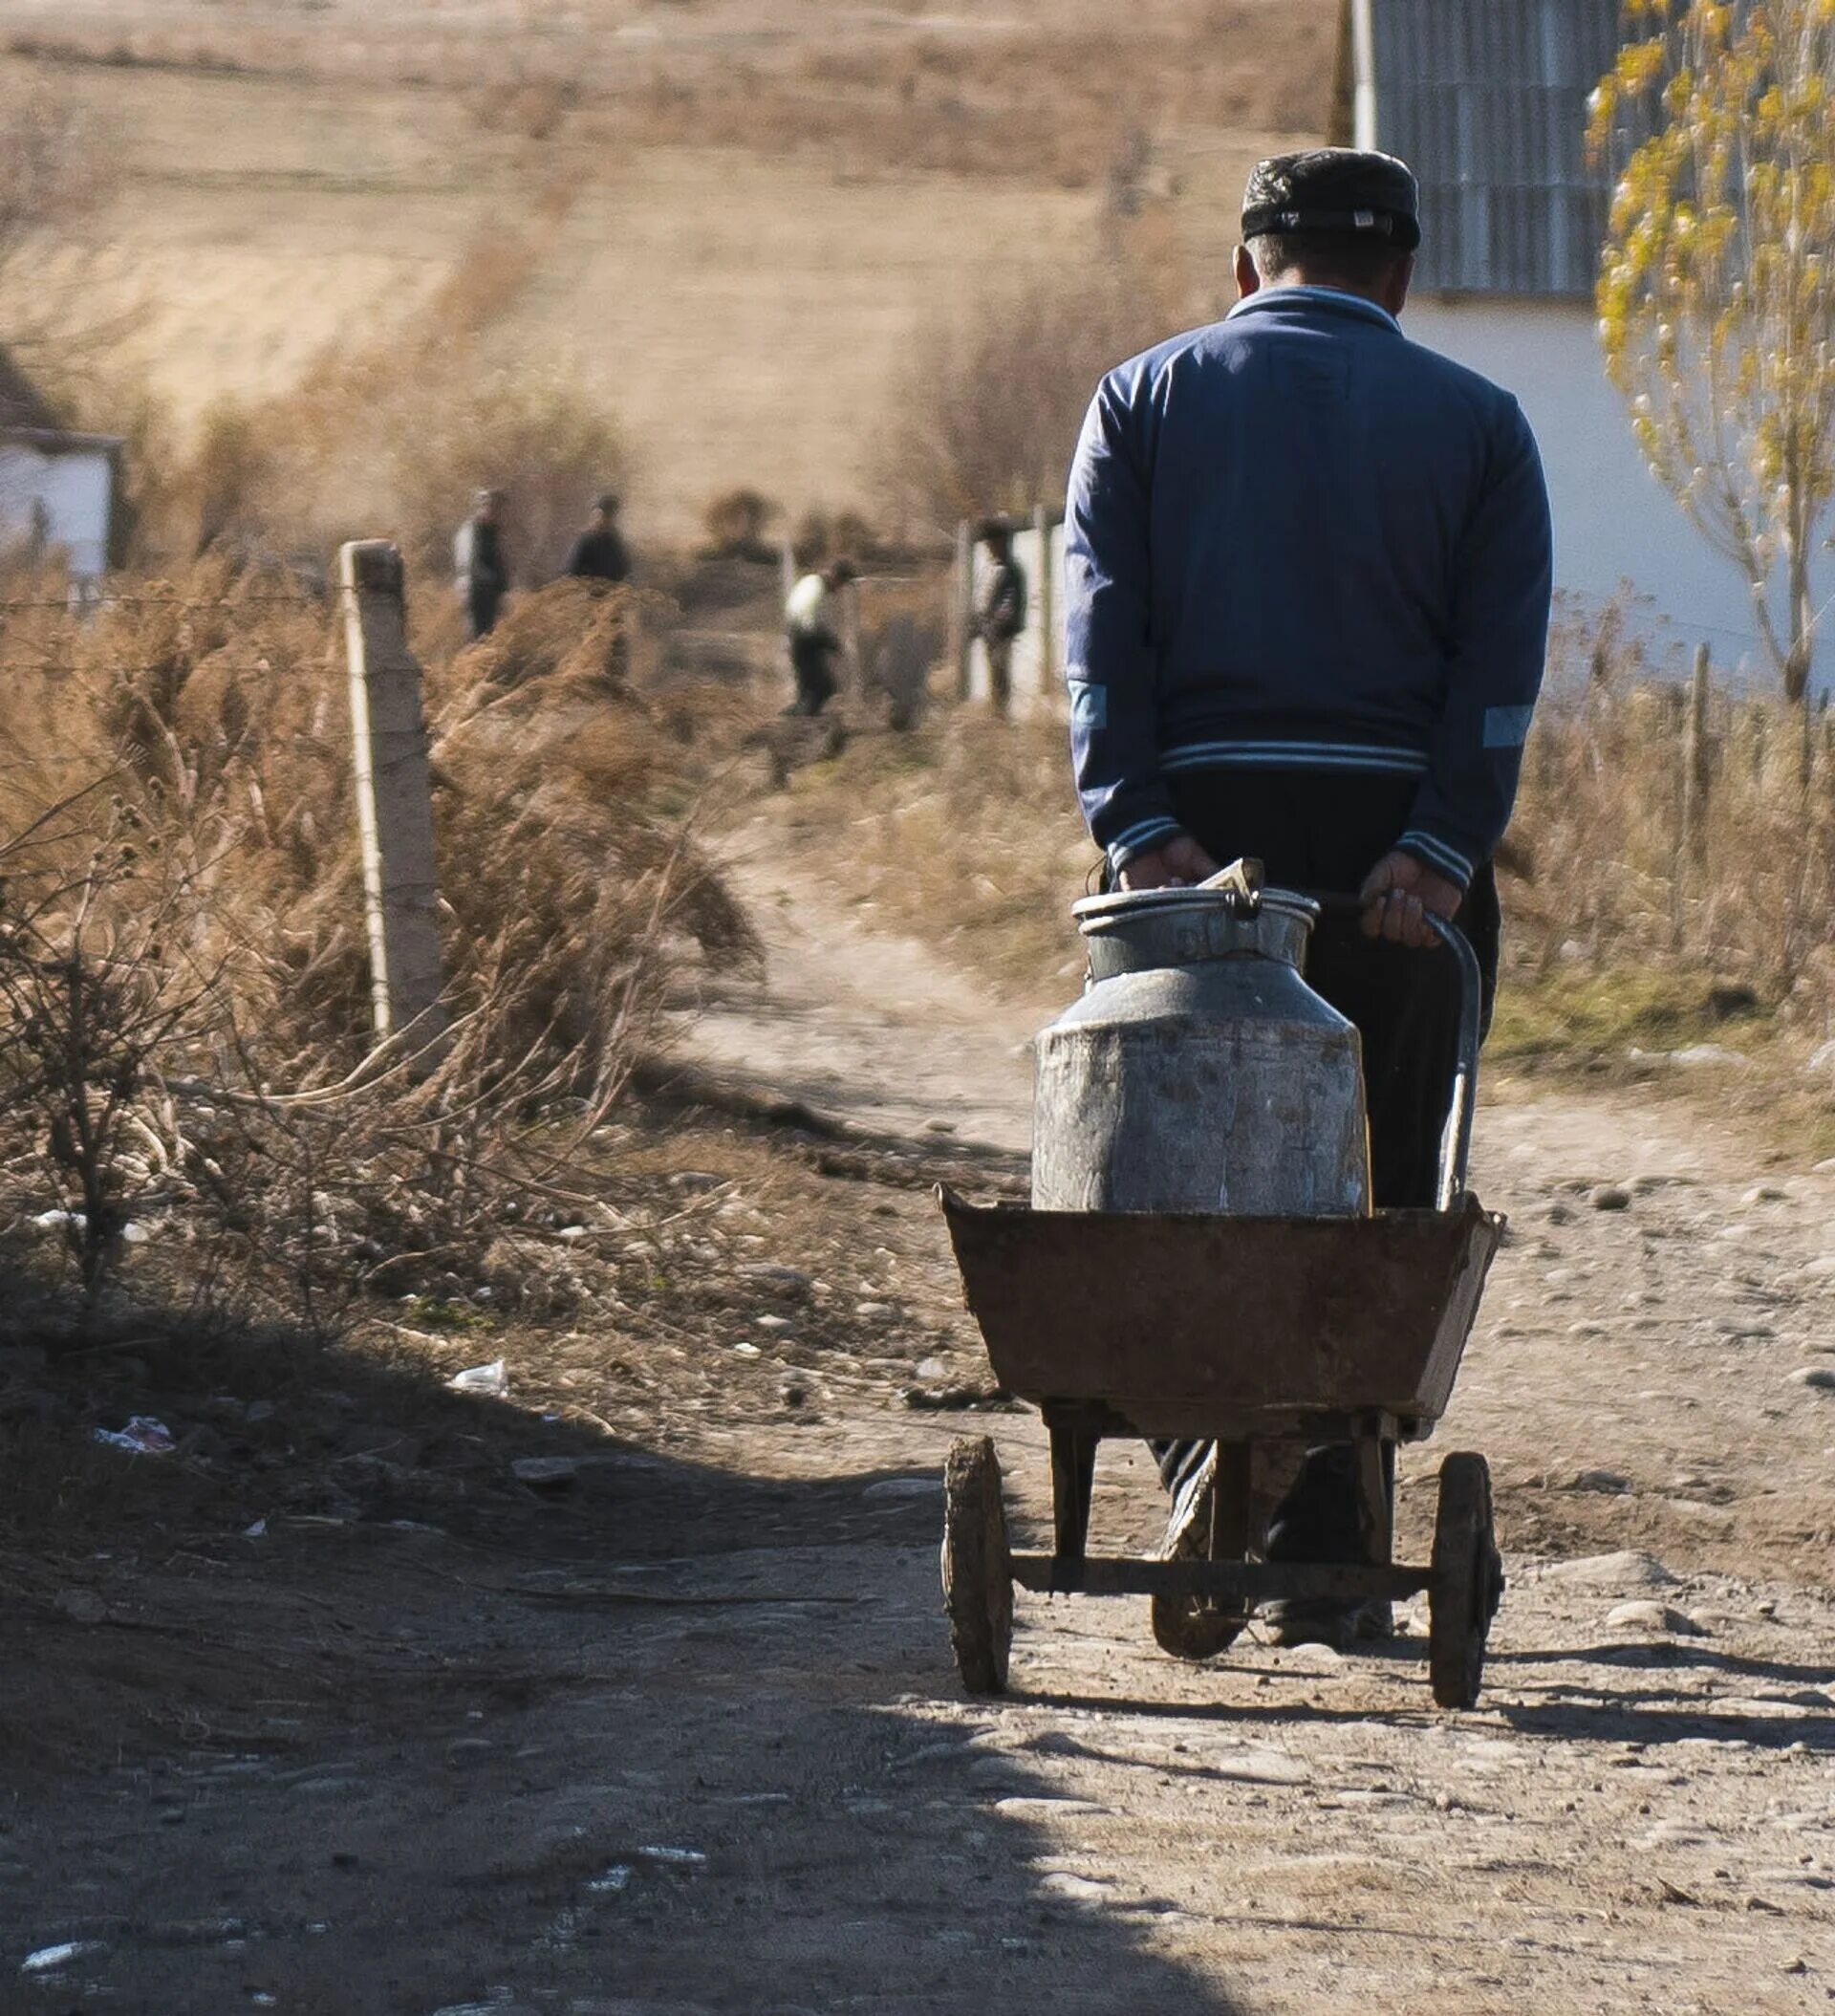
column 685, row 1737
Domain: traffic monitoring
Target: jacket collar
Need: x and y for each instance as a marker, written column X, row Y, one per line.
column 1333, row 300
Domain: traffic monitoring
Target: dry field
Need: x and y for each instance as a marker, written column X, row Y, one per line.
column 758, row 213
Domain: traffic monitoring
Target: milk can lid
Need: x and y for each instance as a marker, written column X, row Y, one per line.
column 1140, row 902
column 1236, row 891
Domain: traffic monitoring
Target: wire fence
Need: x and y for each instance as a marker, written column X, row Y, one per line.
column 93, row 605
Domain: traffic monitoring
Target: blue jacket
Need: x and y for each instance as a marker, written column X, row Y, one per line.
column 1297, row 540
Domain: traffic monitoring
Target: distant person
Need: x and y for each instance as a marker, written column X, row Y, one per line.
column 480, row 569
column 811, row 626
column 599, row 554
column 1000, row 613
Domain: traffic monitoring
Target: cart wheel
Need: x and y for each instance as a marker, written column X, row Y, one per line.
column 978, row 1572
column 1468, row 1581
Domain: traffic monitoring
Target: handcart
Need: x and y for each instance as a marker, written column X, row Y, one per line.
column 1246, row 1332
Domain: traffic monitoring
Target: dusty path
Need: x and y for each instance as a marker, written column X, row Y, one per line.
column 1641, row 1814
column 694, row 1744
column 867, row 1025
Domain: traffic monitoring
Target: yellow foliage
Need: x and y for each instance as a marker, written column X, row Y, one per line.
column 1716, row 293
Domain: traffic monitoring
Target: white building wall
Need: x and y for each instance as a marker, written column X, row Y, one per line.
column 1614, row 522
column 76, row 489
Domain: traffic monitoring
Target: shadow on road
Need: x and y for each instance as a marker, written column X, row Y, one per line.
column 675, row 1739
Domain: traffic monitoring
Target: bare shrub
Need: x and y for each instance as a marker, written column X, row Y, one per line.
column 182, row 978
column 988, row 414
column 822, row 536
column 538, row 435
column 1608, row 878
column 404, row 453
column 903, row 638
column 737, row 523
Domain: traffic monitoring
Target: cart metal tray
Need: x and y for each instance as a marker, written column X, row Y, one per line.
column 1210, row 1326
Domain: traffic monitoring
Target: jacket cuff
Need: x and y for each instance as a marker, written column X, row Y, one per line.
column 1439, row 854
column 1143, row 838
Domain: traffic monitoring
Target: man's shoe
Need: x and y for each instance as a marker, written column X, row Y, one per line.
column 1317, row 1520
column 1307, row 1620
column 1193, row 1627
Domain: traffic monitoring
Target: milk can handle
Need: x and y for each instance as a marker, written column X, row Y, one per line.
column 1455, row 1138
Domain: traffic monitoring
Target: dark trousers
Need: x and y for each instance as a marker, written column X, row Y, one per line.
column 1323, row 833
column 1000, row 673
column 813, row 661
column 481, row 612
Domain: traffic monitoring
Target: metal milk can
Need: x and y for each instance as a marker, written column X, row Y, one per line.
column 1199, row 1072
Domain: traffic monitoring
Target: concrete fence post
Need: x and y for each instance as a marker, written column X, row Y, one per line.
column 1691, row 834
column 1697, row 768
column 394, row 799
column 962, row 608
column 851, row 627
column 1045, row 601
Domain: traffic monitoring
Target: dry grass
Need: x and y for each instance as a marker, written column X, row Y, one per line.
column 1046, row 94
column 1615, row 883
column 987, row 417
column 964, row 831
column 395, row 437
column 767, row 208
column 1618, row 940
column 183, row 1018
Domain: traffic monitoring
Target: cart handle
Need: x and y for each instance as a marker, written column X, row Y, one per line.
column 1455, row 1137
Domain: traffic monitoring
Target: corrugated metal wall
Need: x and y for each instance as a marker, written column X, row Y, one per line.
column 1486, row 99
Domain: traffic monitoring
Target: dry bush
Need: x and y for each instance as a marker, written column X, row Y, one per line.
column 1612, row 881
column 737, row 523
column 184, row 981
column 395, row 437
column 536, row 434
column 1618, row 925
column 401, row 453
column 990, row 411
column 823, row 537
column 903, row 635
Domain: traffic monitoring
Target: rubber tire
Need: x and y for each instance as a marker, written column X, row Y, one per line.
column 1468, row 1581
column 977, row 1564
column 1194, row 1638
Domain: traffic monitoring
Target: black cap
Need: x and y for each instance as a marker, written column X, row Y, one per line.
column 1335, row 193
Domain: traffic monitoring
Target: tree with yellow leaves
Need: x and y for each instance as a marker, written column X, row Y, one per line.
column 1717, row 286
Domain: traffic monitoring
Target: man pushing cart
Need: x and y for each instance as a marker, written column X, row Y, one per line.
column 1306, row 606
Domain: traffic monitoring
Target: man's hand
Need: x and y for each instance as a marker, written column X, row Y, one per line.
column 1177, row 865
column 1399, row 895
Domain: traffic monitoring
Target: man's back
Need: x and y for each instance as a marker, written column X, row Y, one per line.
column 807, row 608
column 1003, row 599
column 599, row 554
column 1316, row 489
column 1297, row 540
column 477, row 554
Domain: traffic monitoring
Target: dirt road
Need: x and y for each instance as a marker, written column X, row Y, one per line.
column 693, row 1743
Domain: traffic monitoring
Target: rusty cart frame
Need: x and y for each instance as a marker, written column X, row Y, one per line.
column 1244, row 1331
